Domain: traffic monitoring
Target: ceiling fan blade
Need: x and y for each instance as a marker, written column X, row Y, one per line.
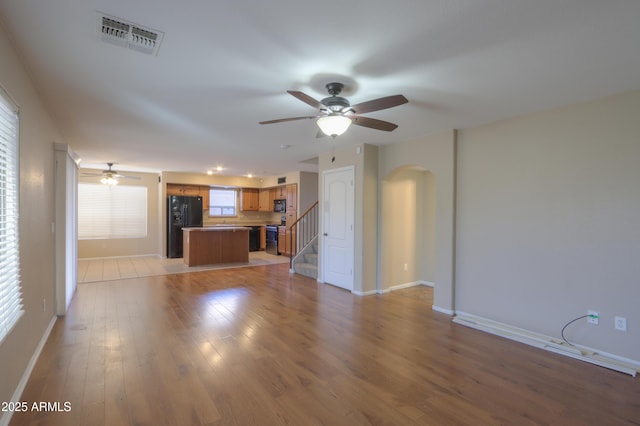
column 373, row 123
column 306, row 99
column 126, row 177
column 378, row 104
column 91, row 174
column 281, row 120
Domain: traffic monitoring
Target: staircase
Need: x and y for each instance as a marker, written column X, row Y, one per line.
column 306, row 261
column 304, row 233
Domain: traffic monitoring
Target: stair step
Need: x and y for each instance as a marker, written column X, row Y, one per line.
column 311, row 258
column 307, row 269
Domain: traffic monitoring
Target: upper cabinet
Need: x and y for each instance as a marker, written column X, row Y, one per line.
column 190, row 190
column 265, row 200
column 249, row 199
column 280, row 192
column 292, row 197
column 179, row 189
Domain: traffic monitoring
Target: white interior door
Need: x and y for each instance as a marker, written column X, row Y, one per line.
column 338, row 235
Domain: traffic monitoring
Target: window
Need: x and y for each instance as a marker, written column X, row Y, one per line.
column 10, row 292
column 222, row 202
column 109, row 212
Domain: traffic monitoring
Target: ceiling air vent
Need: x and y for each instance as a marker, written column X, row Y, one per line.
column 127, row 34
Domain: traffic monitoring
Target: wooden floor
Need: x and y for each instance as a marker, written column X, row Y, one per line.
column 258, row 346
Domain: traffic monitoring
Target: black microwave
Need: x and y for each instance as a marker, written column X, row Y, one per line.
column 280, row 206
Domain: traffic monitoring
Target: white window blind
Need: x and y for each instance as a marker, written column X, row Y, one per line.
column 110, row 212
column 222, row 202
column 10, row 292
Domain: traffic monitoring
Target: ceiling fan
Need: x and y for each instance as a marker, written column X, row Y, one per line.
column 336, row 114
column 110, row 176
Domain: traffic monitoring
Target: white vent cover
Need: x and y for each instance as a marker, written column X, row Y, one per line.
column 127, row 34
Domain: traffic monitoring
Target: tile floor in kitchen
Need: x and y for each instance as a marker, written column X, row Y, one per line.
column 116, row 268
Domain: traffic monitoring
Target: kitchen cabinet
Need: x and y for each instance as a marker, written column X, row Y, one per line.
column 292, row 216
column 292, row 197
column 180, row 189
column 190, row 190
column 265, row 200
column 282, row 237
column 204, row 193
column 263, row 238
column 213, row 245
column 285, row 240
column 249, row 199
column 280, row 192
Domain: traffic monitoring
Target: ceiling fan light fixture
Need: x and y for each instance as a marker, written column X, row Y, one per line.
column 108, row 180
column 333, row 125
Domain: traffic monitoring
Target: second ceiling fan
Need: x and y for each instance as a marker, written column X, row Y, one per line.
column 336, row 114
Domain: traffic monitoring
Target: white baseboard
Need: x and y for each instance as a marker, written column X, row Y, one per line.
column 365, row 293
column 6, row 418
column 583, row 353
column 443, row 310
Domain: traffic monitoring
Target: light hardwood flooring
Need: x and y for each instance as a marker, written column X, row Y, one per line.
column 260, row 346
column 116, row 268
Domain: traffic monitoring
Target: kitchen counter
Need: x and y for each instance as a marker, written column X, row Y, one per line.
column 211, row 245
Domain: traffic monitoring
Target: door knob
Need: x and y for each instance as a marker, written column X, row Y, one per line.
column 325, row 234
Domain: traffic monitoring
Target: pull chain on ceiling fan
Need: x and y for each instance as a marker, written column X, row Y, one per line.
column 336, row 114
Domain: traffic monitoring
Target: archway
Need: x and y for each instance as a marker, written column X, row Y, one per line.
column 408, row 227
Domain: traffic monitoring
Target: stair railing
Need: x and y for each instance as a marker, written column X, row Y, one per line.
column 304, row 229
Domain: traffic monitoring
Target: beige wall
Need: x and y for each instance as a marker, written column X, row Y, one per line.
column 407, row 228
column 37, row 135
column 548, row 211
column 88, row 249
column 435, row 154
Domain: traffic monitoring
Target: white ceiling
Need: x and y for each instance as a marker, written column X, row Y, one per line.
column 225, row 65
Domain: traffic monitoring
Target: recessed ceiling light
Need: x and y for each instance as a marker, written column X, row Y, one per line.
column 249, row 175
column 285, row 146
column 209, row 172
column 219, row 168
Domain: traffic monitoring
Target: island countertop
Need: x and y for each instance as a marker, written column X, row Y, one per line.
column 216, row 244
column 217, row 228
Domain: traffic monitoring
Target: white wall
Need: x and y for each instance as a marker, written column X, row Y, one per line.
column 37, row 134
column 548, row 221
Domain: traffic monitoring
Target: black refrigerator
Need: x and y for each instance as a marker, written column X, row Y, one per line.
column 182, row 212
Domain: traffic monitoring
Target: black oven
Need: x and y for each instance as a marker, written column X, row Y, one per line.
column 272, row 239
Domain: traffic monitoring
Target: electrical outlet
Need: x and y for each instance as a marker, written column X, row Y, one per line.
column 594, row 317
column 406, row 267
column 621, row 323
column 44, row 304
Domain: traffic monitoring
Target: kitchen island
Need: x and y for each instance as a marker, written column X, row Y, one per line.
column 215, row 244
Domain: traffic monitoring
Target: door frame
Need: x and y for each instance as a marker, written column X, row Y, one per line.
column 323, row 257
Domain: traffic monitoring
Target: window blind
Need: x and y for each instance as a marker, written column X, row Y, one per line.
column 222, row 202
column 11, row 308
column 110, row 212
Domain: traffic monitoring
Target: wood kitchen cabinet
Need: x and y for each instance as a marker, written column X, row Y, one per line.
column 249, row 199
column 280, row 192
column 263, row 238
column 190, row 190
column 285, row 240
column 265, row 200
column 282, row 238
column 292, row 197
column 180, row 189
column 204, row 193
